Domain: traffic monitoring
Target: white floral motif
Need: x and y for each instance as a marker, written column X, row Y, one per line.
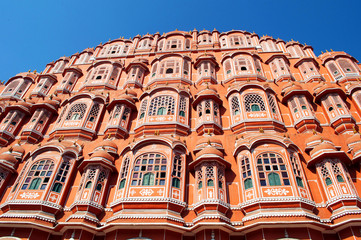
column 29, row 195
column 276, row 191
column 146, row 192
column 257, row 114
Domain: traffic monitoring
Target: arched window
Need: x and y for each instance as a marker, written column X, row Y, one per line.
column 210, row 176
column 199, row 178
column 243, row 66
column 149, row 170
column 143, row 109
column 182, row 106
column 61, row 176
column 177, row 171
column 346, row 66
column 227, row 68
column 246, row 172
column 254, row 102
column 296, row 169
column 271, row 170
column 94, row 112
column 38, row 175
column 169, row 67
column 236, row 41
column 235, row 106
column 162, row 105
column 174, row 44
column 76, row 112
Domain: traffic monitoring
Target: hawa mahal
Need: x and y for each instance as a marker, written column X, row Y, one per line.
column 196, row 135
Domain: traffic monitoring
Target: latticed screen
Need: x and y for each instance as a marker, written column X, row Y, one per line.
column 254, row 102
column 177, row 171
column 162, row 105
column 296, row 169
column 149, row 170
column 76, row 112
column 94, row 112
column 271, row 170
column 235, row 105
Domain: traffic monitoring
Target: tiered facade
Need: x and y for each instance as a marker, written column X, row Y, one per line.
column 184, row 136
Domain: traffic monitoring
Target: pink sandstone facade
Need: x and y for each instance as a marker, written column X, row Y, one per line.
column 185, row 136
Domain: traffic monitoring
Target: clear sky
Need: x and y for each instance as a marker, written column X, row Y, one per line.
column 34, row 33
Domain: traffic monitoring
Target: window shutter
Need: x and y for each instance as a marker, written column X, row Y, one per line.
column 177, row 66
column 161, row 71
column 346, row 66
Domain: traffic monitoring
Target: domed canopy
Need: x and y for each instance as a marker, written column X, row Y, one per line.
column 292, row 89
column 315, row 140
column 207, row 92
column 353, row 139
column 208, row 140
column 326, row 150
column 209, row 153
column 107, row 145
column 102, row 154
column 209, row 150
column 8, row 158
column 19, row 150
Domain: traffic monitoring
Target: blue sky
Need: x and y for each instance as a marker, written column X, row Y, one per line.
column 36, row 32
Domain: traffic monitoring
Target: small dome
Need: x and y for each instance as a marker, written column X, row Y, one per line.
column 8, row 158
column 316, row 139
column 325, row 146
column 209, row 150
column 103, row 154
column 126, row 97
column 108, row 145
column 353, row 139
column 130, row 92
column 52, row 102
column 24, row 104
column 18, row 149
column 209, row 140
column 290, row 87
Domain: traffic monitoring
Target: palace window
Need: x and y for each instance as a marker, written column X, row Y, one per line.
column 149, row 170
column 174, row 44
column 182, row 107
column 254, row 103
column 235, row 106
column 143, row 109
column 199, row 178
column 346, row 66
column 296, row 169
column 124, row 173
column 162, row 105
column 246, row 172
column 242, row 65
column 210, row 176
column 169, row 67
column 236, row 41
column 272, row 170
column 177, row 171
column 39, row 175
column 94, row 112
column 61, row 177
column 76, row 112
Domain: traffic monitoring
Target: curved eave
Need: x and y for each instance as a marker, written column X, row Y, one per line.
column 323, row 154
column 326, row 91
column 202, row 58
column 140, row 64
column 235, row 54
column 73, row 69
column 306, row 59
column 17, row 107
column 122, row 100
column 51, row 76
column 151, row 140
column 277, row 56
column 165, row 87
column 159, row 59
column 97, row 161
column 201, row 97
column 8, row 166
column 267, row 138
column 209, row 158
column 93, row 97
column 336, row 56
column 295, row 92
column 95, row 64
column 46, row 106
column 243, row 87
